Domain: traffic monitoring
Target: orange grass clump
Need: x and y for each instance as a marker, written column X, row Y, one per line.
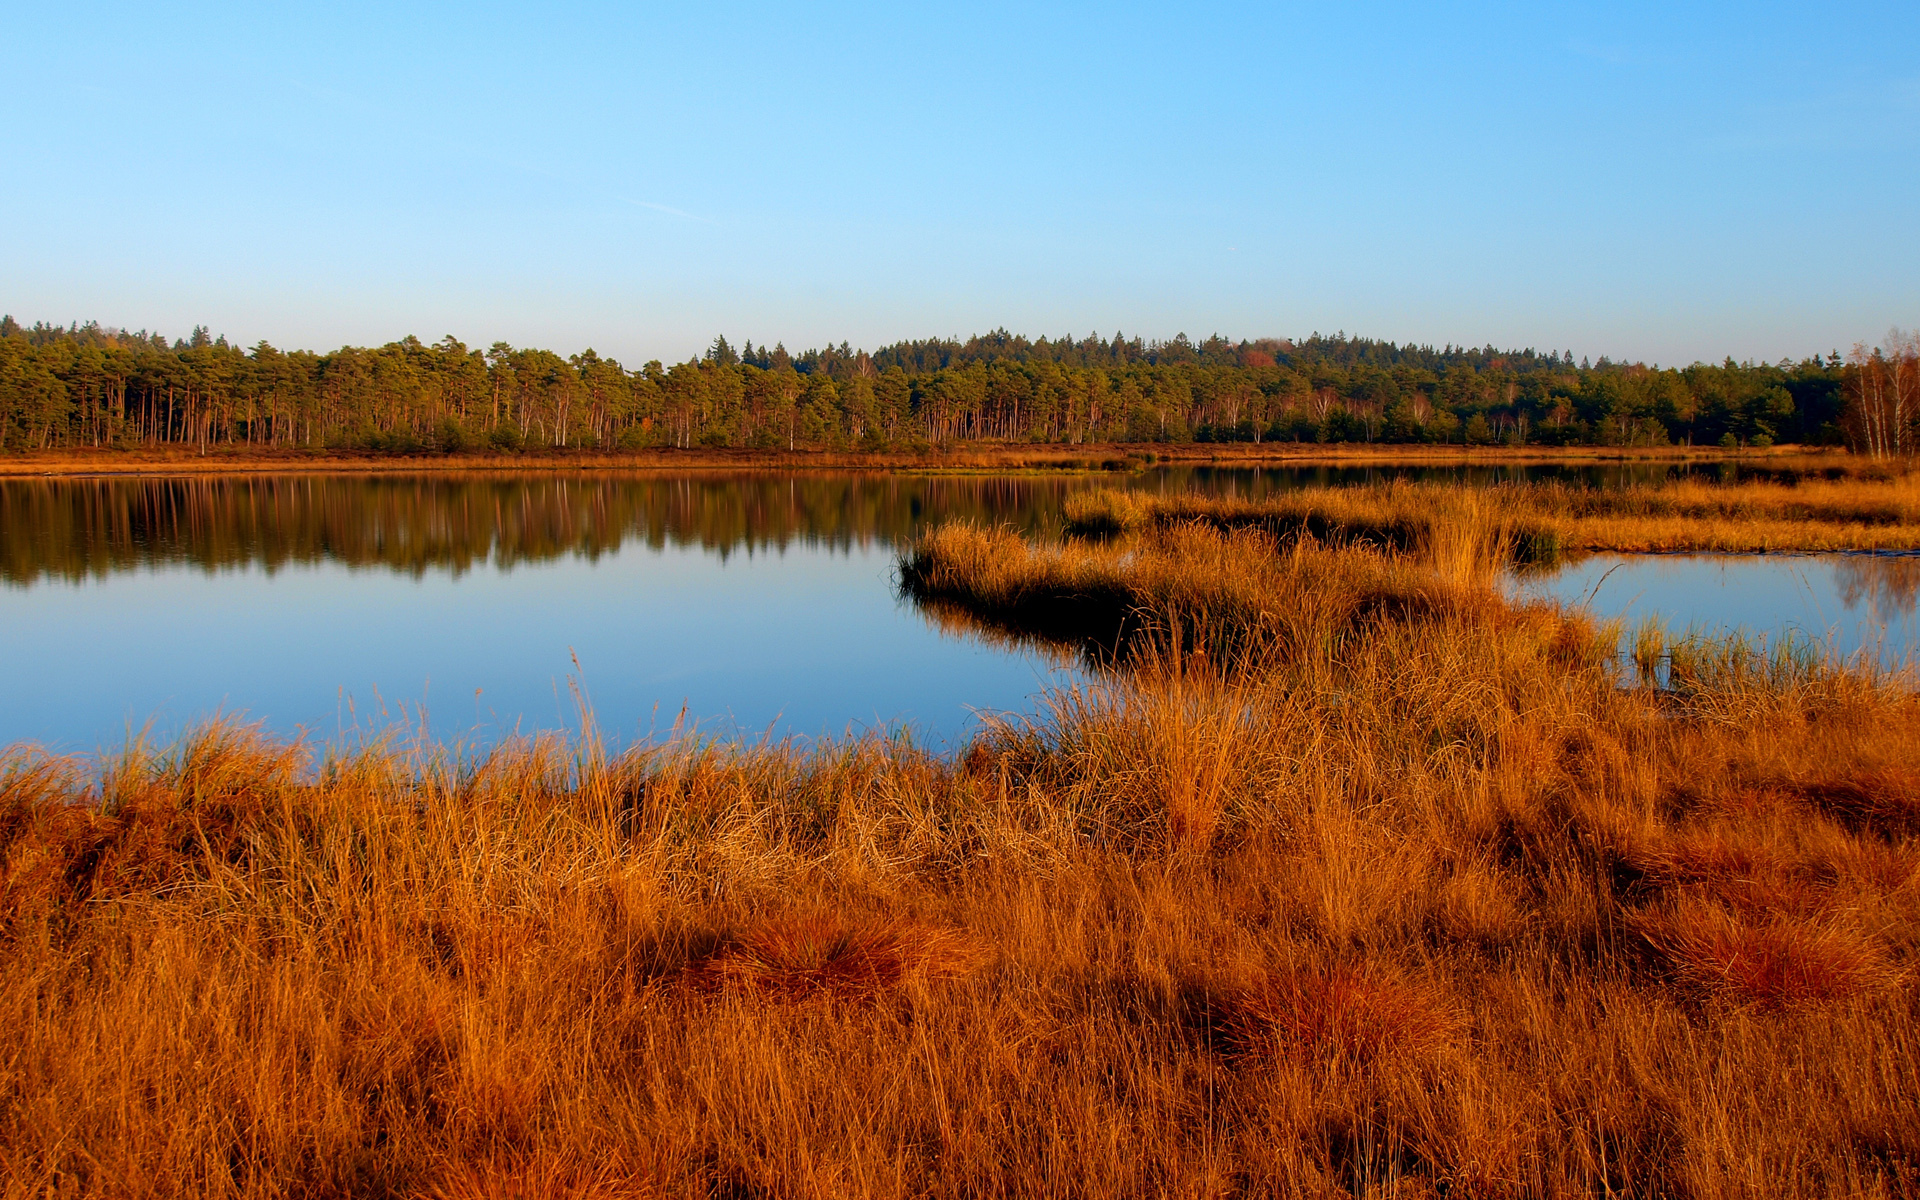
column 1886, row 799
column 802, row 957
column 1231, row 599
column 1776, row 963
column 1341, row 1012
column 1743, row 877
column 530, row 1177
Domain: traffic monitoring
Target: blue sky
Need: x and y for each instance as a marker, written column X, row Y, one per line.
column 1668, row 182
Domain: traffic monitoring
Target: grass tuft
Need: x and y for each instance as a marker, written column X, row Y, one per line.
column 1234, row 599
column 1777, row 962
column 1105, row 511
column 1344, row 1012
column 534, row 1176
column 825, row 956
column 1885, row 799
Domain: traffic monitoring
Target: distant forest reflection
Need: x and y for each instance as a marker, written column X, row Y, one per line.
column 75, row 529
column 91, row 528
column 1887, row 583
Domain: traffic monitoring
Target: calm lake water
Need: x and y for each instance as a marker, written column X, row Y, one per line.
column 1851, row 604
column 753, row 605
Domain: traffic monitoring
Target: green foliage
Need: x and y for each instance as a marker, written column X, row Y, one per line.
column 94, row 386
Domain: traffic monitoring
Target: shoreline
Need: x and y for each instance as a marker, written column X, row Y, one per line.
column 980, row 458
column 1344, row 833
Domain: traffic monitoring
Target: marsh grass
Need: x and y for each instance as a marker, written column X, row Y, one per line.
column 1543, row 521
column 1454, row 527
column 1341, row 1012
column 1348, row 878
column 821, row 955
column 1187, row 592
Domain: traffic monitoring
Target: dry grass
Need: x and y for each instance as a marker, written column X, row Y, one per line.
column 823, row 956
column 1441, row 522
column 1373, row 885
column 1342, row 1012
column 1541, row 521
column 1235, row 600
column 497, row 1176
column 1779, row 961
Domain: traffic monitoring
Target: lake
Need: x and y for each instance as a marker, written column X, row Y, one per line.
column 1850, row 604
column 746, row 605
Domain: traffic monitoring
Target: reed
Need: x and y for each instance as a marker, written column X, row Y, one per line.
column 1539, row 522
column 1341, row 892
column 1186, row 591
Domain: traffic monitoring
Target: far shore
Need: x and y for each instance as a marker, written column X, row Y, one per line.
column 965, row 457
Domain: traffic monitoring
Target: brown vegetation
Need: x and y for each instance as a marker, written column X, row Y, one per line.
column 1238, row 599
column 822, row 955
column 1543, row 520
column 1356, row 880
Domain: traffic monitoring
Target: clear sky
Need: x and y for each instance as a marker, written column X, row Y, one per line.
column 1663, row 181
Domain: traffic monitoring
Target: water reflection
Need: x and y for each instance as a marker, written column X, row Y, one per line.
column 1087, row 655
column 1848, row 603
column 1886, row 583
column 753, row 601
column 79, row 528
column 90, row 528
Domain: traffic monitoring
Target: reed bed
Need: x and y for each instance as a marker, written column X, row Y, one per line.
column 1311, row 896
column 1233, row 600
column 1542, row 521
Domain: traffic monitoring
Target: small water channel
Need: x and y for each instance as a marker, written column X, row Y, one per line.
column 747, row 604
column 1850, row 605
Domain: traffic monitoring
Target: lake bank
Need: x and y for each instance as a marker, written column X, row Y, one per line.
column 980, row 457
column 749, row 601
column 1410, row 889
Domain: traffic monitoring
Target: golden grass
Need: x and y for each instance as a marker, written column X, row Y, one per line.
column 1541, row 521
column 1233, row 600
column 1340, row 1012
column 1777, row 961
column 1340, row 895
column 822, row 955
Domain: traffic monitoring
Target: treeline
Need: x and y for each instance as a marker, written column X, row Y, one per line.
column 96, row 386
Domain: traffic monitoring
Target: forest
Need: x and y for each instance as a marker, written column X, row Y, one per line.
column 95, row 386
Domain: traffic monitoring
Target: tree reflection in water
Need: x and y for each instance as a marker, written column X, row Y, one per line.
column 79, row 528
column 1886, row 583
